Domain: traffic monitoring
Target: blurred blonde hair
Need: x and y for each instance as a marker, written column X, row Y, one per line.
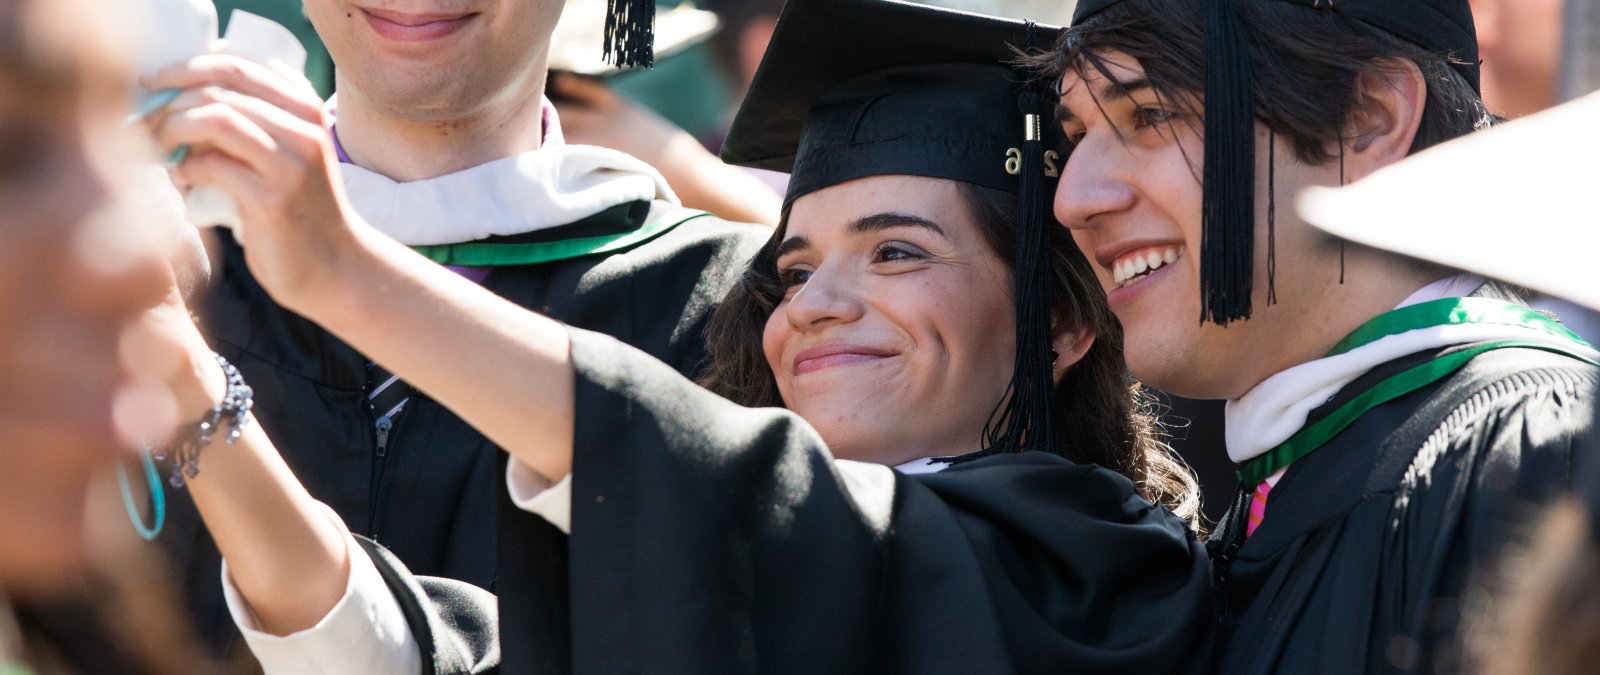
column 1544, row 617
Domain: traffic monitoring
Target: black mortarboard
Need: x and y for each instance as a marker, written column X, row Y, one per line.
column 856, row 88
column 1228, row 208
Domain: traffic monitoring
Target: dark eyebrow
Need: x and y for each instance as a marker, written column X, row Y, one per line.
column 791, row 245
column 1112, row 90
column 890, row 219
column 1064, row 116
column 876, row 222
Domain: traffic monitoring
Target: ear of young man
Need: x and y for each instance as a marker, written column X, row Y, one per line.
column 1383, row 125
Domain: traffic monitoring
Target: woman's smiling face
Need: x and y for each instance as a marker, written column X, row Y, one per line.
column 895, row 337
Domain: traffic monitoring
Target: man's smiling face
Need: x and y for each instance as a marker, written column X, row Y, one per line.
column 435, row 59
column 1131, row 194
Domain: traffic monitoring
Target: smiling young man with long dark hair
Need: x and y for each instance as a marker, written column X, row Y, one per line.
column 1391, row 419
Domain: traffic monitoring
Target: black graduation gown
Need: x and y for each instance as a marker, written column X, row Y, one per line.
column 1369, row 544
column 711, row 538
column 430, row 495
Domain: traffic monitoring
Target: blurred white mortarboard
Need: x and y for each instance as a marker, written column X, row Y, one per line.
column 575, row 46
column 1520, row 202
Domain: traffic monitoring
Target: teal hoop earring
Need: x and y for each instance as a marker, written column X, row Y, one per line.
column 158, row 497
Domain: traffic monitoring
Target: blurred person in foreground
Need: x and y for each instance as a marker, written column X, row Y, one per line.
column 1543, row 616
column 1538, row 610
column 80, row 372
column 1392, row 419
column 442, row 140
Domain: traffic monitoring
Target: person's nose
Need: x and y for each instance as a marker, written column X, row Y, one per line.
column 1096, row 181
column 830, row 296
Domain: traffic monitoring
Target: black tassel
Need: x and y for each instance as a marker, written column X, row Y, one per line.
column 1024, row 419
column 1341, row 184
column 1033, row 382
column 631, row 33
column 1227, row 240
column 1272, row 219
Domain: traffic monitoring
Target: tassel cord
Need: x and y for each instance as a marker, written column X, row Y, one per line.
column 1341, row 184
column 1272, row 218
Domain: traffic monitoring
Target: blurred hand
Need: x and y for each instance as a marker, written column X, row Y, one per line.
column 593, row 114
column 162, row 347
column 156, row 203
column 263, row 140
column 165, row 348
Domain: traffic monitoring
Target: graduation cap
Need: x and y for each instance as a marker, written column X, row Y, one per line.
column 856, row 88
column 1228, row 206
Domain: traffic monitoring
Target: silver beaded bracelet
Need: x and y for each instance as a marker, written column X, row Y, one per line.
column 233, row 412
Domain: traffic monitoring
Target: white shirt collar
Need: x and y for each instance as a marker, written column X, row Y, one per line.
column 1458, row 286
column 556, row 185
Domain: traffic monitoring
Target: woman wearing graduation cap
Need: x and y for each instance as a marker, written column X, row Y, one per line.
column 661, row 528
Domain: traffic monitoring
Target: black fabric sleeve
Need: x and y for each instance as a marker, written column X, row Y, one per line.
column 455, row 624
column 708, row 537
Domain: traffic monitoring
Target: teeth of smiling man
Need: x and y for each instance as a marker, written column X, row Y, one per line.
column 1135, row 265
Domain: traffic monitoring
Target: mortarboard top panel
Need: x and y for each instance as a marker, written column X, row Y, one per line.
column 956, row 121
column 820, row 44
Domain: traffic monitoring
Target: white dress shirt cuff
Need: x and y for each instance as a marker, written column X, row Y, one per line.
column 531, row 492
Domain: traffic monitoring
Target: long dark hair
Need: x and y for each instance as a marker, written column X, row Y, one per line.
column 1102, row 416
